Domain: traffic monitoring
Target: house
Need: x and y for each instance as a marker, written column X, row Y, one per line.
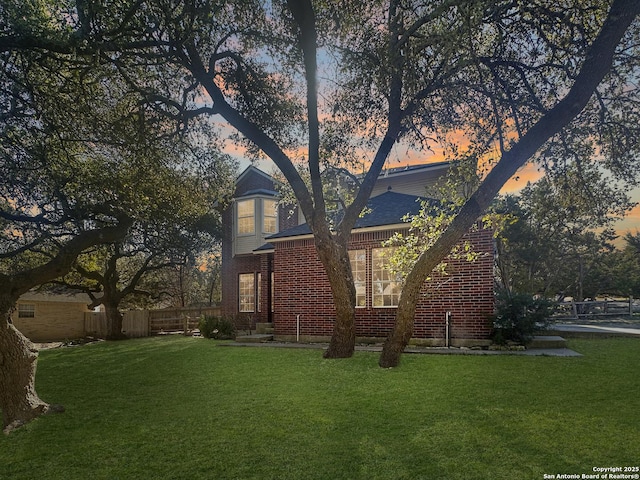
column 271, row 272
column 48, row 317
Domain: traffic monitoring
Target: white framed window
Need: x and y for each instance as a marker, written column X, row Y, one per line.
column 246, row 216
column 259, row 299
column 269, row 216
column 358, row 259
column 385, row 286
column 246, row 292
column 26, row 310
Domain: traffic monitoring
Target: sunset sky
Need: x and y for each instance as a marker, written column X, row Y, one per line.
column 529, row 173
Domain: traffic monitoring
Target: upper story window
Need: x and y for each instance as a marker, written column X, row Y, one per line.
column 246, row 217
column 255, row 217
column 26, row 310
column 269, row 216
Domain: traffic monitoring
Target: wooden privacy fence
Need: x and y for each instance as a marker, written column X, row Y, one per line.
column 143, row 323
column 595, row 308
column 135, row 323
column 178, row 319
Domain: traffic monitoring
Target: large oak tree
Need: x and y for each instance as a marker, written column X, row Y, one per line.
column 181, row 224
column 510, row 75
column 79, row 162
column 564, row 89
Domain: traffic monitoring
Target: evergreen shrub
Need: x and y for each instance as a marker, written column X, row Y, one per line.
column 518, row 316
column 218, row 328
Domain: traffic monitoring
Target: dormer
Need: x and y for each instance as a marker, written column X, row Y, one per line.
column 255, row 217
column 254, row 213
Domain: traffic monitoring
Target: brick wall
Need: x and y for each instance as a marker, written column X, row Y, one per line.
column 302, row 288
column 266, row 266
column 230, row 271
column 230, row 268
column 52, row 321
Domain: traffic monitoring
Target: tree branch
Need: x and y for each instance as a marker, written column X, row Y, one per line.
column 304, row 16
column 596, row 65
column 21, row 282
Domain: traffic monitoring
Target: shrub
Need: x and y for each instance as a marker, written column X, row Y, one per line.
column 216, row 327
column 518, row 316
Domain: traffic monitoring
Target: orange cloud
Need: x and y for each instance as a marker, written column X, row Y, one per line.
column 630, row 223
column 529, row 173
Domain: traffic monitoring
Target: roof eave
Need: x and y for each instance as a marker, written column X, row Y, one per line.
column 376, row 228
column 263, row 251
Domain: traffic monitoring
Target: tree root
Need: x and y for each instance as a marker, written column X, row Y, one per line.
column 43, row 409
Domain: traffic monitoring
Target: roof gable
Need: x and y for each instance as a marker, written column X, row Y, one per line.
column 253, row 179
column 253, row 170
column 412, row 179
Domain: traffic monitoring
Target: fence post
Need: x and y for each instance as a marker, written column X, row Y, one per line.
column 186, row 325
column 630, row 305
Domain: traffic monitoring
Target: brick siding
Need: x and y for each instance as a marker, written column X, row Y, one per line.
column 302, row 288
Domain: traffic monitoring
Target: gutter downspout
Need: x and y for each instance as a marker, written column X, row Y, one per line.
column 447, row 327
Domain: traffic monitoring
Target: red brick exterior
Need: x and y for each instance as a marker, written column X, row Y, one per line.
column 302, row 288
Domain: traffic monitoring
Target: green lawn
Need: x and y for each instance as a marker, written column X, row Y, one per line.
column 174, row 407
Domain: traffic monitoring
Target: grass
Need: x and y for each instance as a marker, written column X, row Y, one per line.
column 173, row 408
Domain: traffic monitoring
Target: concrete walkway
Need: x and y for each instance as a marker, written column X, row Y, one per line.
column 598, row 328
column 611, row 327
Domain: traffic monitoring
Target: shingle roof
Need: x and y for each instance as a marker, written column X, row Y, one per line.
column 265, row 248
column 388, row 208
column 302, row 229
column 259, row 191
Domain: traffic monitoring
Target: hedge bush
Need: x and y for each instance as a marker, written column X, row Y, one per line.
column 218, row 328
column 518, row 316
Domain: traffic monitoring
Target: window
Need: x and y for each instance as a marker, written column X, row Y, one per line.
column 269, row 216
column 385, row 285
column 26, row 310
column 246, row 292
column 246, row 217
column 259, row 302
column 358, row 260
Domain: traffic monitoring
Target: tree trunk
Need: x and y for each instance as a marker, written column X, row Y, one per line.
column 114, row 322
column 335, row 259
column 402, row 331
column 598, row 61
column 18, row 398
column 343, row 338
column 580, row 279
column 18, row 356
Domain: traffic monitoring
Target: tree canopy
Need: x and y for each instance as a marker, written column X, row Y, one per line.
column 492, row 83
column 554, row 235
column 84, row 159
